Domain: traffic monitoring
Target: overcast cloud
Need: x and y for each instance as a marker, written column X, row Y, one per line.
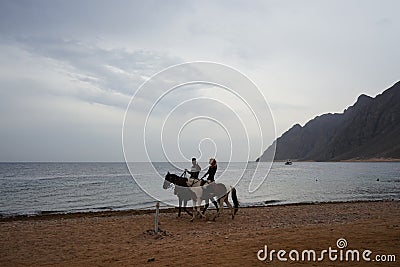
column 69, row 68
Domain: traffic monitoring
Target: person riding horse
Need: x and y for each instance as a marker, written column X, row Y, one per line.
column 212, row 169
column 194, row 170
column 194, row 174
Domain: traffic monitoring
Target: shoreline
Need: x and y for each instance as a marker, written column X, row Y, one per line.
column 127, row 239
column 250, row 161
column 344, row 160
column 133, row 212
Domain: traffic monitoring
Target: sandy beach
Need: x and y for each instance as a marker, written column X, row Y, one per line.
column 125, row 239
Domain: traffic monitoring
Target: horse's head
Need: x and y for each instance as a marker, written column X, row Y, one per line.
column 168, row 181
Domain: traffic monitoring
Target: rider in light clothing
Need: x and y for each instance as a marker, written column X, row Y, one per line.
column 194, row 170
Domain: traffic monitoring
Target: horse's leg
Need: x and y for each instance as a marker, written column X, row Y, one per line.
column 184, row 207
column 221, row 206
column 194, row 210
column 180, row 207
column 198, row 205
column 206, row 206
column 215, row 203
column 197, row 202
column 229, row 205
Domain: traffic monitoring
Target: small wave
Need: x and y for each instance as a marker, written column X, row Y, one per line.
column 20, row 214
column 392, row 181
column 262, row 203
column 75, row 176
column 9, row 176
column 273, row 201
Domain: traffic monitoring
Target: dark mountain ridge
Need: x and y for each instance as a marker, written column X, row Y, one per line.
column 368, row 129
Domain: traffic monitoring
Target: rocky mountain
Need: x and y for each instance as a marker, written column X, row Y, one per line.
column 368, row 129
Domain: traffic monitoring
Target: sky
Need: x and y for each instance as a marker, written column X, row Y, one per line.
column 68, row 69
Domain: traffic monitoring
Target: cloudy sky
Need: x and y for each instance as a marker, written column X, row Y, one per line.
column 68, row 69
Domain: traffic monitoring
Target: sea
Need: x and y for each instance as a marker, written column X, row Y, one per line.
column 46, row 188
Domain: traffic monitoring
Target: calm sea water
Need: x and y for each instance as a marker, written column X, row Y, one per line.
column 38, row 188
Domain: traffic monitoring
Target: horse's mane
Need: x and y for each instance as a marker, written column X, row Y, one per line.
column 175, row 175
column 176, row 179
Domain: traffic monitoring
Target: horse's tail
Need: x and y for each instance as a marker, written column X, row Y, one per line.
column 235, row 200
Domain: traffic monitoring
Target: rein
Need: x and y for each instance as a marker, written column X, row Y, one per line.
column 183, row 175
column 195, row 181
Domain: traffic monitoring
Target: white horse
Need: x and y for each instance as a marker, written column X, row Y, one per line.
column 209, row 191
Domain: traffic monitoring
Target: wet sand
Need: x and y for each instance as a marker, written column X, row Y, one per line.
column 125, row 239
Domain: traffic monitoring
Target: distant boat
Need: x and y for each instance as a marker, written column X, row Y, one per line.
column 288, row 162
